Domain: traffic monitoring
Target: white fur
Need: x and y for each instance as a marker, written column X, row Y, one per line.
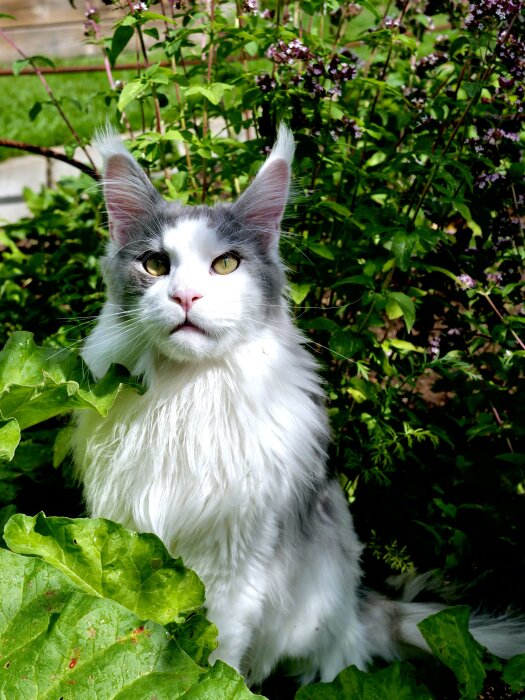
column 219, row 452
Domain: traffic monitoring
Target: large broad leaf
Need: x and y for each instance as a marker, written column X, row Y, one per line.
column 393, row 683
column 108, row 560
column 56, row 641
column 448, row 636
column 514, row 673
column 38, row 383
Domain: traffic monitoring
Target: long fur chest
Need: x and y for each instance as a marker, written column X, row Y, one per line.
column 211, row 457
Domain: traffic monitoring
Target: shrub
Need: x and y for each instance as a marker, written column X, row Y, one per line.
column 404, row 243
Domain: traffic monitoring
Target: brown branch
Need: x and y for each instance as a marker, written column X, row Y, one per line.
column 50, row 153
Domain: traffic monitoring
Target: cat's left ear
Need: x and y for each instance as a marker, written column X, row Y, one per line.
column 261, row 206
column 130, row 196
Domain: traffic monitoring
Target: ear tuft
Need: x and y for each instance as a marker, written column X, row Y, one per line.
column 262, row 204
column 284, row 147
column 128, row 193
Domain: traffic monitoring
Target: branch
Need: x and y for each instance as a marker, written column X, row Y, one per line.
column 50, row 153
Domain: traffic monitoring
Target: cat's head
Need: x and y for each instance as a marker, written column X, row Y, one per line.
column 193, row 282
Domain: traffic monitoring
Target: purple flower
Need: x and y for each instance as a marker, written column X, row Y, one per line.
column 466, row 281
column 265, row 82
column 434, row 343
column 250, row 7
column 494, row 277
column 285, row 54
column 486, row 179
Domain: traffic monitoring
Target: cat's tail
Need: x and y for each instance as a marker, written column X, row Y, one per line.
column 392, row 628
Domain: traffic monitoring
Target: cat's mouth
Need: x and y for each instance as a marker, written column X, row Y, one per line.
column 188, row 327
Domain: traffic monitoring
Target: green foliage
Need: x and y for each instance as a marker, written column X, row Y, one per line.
column 64, row 632
column 405, row 247
column 107, row 560
column 449, row 639
column 396, row 682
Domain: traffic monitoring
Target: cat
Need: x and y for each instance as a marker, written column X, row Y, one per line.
column 225, row 456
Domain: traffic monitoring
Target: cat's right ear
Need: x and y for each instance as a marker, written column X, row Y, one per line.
column 129, row 194
column 262, row 205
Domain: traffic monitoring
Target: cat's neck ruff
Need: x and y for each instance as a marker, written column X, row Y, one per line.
column 209, row 445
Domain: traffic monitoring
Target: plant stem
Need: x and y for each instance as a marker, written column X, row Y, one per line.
column 503, row 319
column 50, row 153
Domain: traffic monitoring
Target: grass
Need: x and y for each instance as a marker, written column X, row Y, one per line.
column 83, row 97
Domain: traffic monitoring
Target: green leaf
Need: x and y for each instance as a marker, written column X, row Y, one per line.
column 393, row 683
column 345, row 343
column 299, row 292
column 31, row 61
column 56, row 641
column 448, row 637
column 119, row 42
column 220, row 682
column 197, row 636
column 339, row 209
column 62, row 444
column 156, row 16
column 403, row 245
column 105, row 559
column 472, row 89
column 133, row 90
column 514, row 673
column 213, row 93
column 9, row 437
column 320, row 249
column 37, row 383
column 20, row 64
column 35, row 111
column 399, row 304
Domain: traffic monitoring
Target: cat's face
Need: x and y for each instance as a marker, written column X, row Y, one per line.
column 194, row 282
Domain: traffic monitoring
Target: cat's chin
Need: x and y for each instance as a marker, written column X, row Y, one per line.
column 189, row 342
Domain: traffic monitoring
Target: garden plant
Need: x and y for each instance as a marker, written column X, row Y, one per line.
column 404, row 243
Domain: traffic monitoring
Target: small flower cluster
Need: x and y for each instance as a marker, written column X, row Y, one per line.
column 433, row 345
column 345, row 126
column 140, row 7
column 416, row 96
column 353, row 9
column 466, row 281
column 511, row 52
column 392, row 23
column 91, row 23
column 486, row 179
column 250, row 7
column 265, row 82
column 285, row 54
column 432, row 60
column 494, row 277
column 339, row 70
column 483, row 13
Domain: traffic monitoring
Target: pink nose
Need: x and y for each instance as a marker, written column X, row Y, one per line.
column 186, row 298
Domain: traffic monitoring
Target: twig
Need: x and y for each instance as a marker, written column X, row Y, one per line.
column 50, row 153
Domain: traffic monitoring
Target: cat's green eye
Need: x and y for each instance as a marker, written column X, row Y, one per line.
column 157, row 264
column 226, row 263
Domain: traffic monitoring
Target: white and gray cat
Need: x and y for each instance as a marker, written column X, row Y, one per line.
column 224, row 457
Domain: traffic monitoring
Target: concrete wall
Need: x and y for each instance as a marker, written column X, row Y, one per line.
column 49, row 27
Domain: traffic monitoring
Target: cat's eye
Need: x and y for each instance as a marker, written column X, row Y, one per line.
column 226, row 263
column 157, row 264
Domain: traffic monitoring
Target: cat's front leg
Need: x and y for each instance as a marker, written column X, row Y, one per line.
column 235, row 612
